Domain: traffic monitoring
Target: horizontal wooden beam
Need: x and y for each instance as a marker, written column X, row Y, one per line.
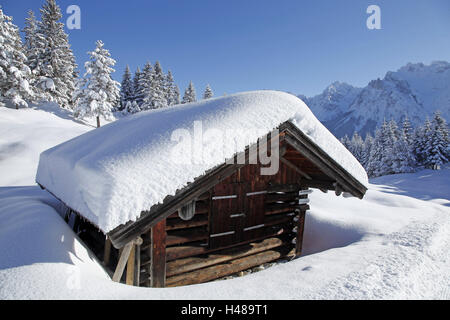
column 222, row 270
column 284, row 188
column 196, row 221
column 189, row 264
column 183, row 236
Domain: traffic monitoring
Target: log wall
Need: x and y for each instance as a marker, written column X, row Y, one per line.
column 272, row 215
column 265, row 214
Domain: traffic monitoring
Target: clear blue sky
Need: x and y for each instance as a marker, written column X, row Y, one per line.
column 238, row 45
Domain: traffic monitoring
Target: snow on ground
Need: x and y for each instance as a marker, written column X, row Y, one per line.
column 392, row 244
column 25, row 133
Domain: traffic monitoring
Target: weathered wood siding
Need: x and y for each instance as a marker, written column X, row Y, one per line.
column 245, row 220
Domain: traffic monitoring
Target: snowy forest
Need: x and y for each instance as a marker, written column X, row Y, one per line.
column 401, row 148
column 41, row 67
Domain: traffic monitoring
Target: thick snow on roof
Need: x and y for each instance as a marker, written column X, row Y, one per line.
column 113, row 173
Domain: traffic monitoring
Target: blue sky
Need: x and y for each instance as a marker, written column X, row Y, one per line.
column 296, row 46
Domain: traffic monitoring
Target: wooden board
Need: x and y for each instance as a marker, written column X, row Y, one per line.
column 158, row 255
column 225, row 269
column 189, row 264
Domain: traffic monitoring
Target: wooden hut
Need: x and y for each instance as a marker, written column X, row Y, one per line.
column 229, row 219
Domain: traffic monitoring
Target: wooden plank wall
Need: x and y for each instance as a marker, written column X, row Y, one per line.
column 184, row 253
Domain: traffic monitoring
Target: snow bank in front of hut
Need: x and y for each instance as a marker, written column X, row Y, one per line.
column 25, row 133
column 393, row 244
column 113, row 173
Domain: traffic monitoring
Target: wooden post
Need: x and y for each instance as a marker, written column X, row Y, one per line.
column 300, row 227
column 158, row 255
column 137, row 267
column 130, row 267
column 107, row 252
column 122, row 261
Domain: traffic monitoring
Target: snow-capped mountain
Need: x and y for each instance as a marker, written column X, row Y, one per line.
column 415, row 90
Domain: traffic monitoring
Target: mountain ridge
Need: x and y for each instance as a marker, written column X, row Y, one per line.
column 415, row 90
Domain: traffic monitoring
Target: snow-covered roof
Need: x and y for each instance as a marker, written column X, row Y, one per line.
column 112, row 174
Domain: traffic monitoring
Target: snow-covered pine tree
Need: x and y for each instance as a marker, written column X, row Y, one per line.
column 346, row 142
column 176, row 95
column 172, row 91
column 56, row 57
column 101, row 92
column 14, row 72
column 189, row 94
column 155, row 97
column 208, row 92
column 408, row 131
column 390, row 134
column 422, row 136
column 126, row 89
column 34, row 50
column 132, row 107
column 376, row 153
column 367, row 146
column 144, row 83
column 437, row 146
column 380, row 159
column 403, row 160
column 356, row 147
column 136, row 87
column 33, row 43
column 80, row 98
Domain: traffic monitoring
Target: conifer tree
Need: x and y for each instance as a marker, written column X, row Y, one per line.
column 176, row 95
column 208, row 92
column 155, row 94
column 172, row 91
column 189, row 94
column 367, row 146
column 346, row 142
column 144, row 83
column 33, row 43
column 407, row 131
column 356, row 147
column 403, row 160
column 126, row 89
column 136, row 87
column 99, row 92
column 421, row 143
column 437, row 146
column 133, row 107
column 56, row 59
column 14, row 72
column 390, row 134
column 379, row 163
